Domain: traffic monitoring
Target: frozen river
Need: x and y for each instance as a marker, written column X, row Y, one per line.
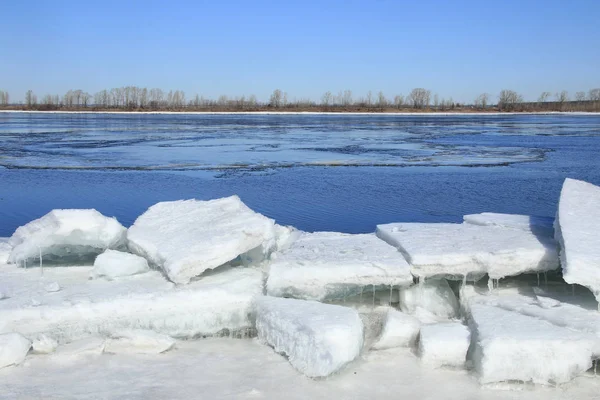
column 317, row 172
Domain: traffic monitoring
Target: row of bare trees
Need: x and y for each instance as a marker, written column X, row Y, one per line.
column 136, row 98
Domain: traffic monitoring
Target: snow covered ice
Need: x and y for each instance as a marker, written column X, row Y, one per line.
column 5, row 250
column 539, row 225
column 89, row 346
column 433, row 295
column 66, row 236
column 13, row 348
column 454, row 251
column 43, row 344
column 139, row 341
column 326, row 265
column 113, row 264
column 444, row 344
column 399, row 330
column 578, row 233
column 187, row 237
column 317, row 338
column 220, row 302
column 514, row 347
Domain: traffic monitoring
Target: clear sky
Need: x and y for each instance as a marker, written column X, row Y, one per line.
column 454, row 48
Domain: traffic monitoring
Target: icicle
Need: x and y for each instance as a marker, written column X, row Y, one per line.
column 538, row 276
column 361, row 292
column 41, row 264
column 373, row 296
column 546, row 279
column 490, row 284
column 345, row 295
column 595, row 366
column 391, row 289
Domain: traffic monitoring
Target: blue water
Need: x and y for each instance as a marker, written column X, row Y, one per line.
column 341, row 173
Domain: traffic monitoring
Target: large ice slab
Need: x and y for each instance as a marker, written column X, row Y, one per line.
column 578, row 233
column 399, row 330
column 458, row 250
column 218, row 304
column 114, row 264
column 317, row 338
column 334, row 265
column 513, row 347
column 538, row 225
column 444, row 344
column 187, row 237
column 434, row 295
column 66, row 235
column 13, row 348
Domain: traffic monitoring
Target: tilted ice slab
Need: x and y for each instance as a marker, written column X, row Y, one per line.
column 219, row 303
column 444, row 344
column 578, row 233
column 510, row 346
column 187, row 237
column 66, row 235
column 114, row 264
column 334, row 265
column 317, row 338
column 13, row 348
column 458, row 250
column 538, row 225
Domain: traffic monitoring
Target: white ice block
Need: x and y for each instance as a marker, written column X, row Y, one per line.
column 514, row 347
column 457, row 250
column 317, row 338
column 187, row 237
column 5, row 250
column 66, row 235
column 444, row 344
column 538, row 225
column 113, row 264
column 13, row 348
column 578, row 233
column 432, row 295
column 334, row 265
column 399, row 330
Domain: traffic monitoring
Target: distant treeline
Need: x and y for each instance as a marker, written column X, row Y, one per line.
column 133, row 98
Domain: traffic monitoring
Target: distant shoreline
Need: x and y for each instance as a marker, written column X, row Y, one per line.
column 382, row 113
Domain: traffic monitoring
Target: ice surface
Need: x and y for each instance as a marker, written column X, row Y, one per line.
column 44, row 344
column 444, row 344
column 335, row 265
column 399, row 330
column 13, row 348
column 458, row 250
column 317, row 338
column 93, row 345
column 113, row 264
column 538, row 225
column 432, row 295
column 187, row 237
column 513, row 347
column 140, row 342
column 217, row 304
column 66, row 235
column 578, row 233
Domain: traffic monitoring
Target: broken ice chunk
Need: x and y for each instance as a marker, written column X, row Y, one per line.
column 399, row 330
column 113, row 264
column 444, row 344
column 13, row 349
column 433, row 295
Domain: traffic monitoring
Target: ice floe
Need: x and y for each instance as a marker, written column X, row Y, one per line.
column 113, row 264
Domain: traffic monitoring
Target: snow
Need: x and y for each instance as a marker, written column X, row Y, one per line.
column 514, row 347
column 444, row 344
column 577, row 232
column 44, row 344
column 5, row 250
column 219, row 303
column 457, row 250
column 432, row 295
column 399, row 330
column 13, row 349
column 318, row 339
column 66, row 236
column 140, row 342
column 89, row 346
column 114, row 264
column 539, row 225
column 326, row 265
column 187, row 237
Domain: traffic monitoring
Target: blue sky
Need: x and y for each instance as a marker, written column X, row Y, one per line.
column 454, row 48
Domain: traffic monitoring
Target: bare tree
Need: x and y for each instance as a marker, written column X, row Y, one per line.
column 4, row 98
column 594, row 95
column 347, row 98
column 436, row 100
column 381, row 100
column 276, row 98
column 369, row 98
column 419, row 97
column 399, row 101
column 544, row 97
column 326, row 99
column 482, row 101
column 30, row 98
column 562, row 97
column 580, row 96
column 509, row 100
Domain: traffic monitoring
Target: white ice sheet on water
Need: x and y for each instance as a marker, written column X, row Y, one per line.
column 577, row 231
column 458, row 250
column 324, row 265
column 187, row 237
column 317, row 338
column 539, row 225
